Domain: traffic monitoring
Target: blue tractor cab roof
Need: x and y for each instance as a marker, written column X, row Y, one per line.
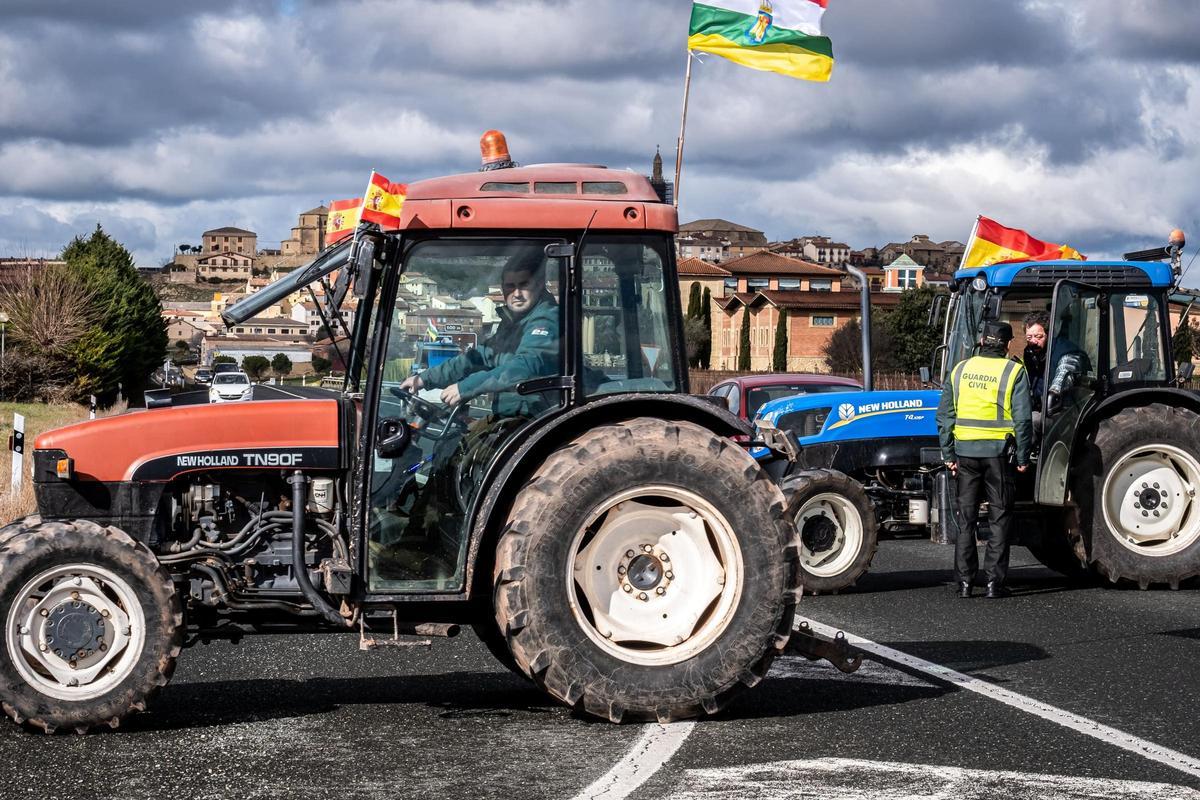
column 1034, row 274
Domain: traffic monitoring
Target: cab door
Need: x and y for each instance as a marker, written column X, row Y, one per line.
column 1073, row 364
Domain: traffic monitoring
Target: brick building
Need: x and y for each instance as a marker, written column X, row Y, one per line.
column 813, row 317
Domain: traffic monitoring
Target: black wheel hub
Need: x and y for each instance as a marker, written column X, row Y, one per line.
column 819, row 534
column 73, row 627
column 645, row 572
column 1150, row 499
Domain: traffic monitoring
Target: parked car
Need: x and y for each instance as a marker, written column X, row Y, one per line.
column 229, row 387
column 744, row 395
column 203, row 376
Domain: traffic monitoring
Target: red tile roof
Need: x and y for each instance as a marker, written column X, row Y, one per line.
column 696, row 267
column 767, row 263
column 837, row 301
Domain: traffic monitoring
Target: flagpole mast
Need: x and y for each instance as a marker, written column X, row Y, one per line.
column 687, row 88
column 970, row 240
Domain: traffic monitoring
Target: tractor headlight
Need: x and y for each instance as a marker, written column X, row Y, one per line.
column 979, row 284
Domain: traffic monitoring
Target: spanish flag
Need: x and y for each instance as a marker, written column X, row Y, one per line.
column 343, row 219
column 781, row 36
column 384, row 201
column 992, row 243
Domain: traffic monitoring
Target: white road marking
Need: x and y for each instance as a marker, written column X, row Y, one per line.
column 1088, row 727
column 281, row 390
column 871, row 672
column 852, row 779
column 648, row 754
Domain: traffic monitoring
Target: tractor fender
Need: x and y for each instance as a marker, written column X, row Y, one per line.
column 1133, row 398
column 1176, row 398
column 522, row 455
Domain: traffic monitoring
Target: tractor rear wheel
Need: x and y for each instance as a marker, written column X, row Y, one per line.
column 647, row 572
column 91, row 626
column 1138, row 501
column 838, row 531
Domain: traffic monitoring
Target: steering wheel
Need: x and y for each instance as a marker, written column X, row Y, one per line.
column 429, row 411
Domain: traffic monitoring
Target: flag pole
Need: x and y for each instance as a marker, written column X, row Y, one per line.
column 687, row 88
column 970, row 240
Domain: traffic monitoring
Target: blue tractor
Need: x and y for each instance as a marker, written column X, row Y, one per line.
column 1117, row 447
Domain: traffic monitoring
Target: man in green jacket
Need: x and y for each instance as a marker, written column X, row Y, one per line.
column 525, row 346
column 985, row 410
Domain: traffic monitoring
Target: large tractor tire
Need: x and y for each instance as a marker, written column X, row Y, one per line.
column 1139, row 510
column 92, row 626
column 647, row 572
column 1054, row 540
column 835, row 520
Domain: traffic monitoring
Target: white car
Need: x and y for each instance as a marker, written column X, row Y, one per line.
column 229, row 387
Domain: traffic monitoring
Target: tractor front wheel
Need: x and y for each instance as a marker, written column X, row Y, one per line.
column 1138, row 502
column 835, row 520
column 91, row 626
column 647, row 572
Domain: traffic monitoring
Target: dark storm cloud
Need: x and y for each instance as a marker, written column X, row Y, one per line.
column 123, row 14
column 940, row 34
column 196, row 113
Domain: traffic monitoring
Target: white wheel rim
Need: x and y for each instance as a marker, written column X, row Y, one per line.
column 1150, row 500
column 831, row 534
column 75, row 632
column 677, row 592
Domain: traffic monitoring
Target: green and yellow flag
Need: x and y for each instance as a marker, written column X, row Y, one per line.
column 781, row 36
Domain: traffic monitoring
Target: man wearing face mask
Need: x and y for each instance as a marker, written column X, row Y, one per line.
column 525, row 346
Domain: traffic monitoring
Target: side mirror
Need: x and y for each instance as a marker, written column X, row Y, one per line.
column 926, row 376
column 1185, row 371
column 362, row 259
column 560, row 250
column 935, row 310
column 991, row 307
column 158, row 398
column 392, row 437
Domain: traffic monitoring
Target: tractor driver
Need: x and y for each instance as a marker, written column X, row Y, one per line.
column 524, row 346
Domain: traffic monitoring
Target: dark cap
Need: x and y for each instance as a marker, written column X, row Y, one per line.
column 997, row 332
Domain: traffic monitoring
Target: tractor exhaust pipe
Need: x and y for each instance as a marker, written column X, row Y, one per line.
column 865, row 288
column 299, row 482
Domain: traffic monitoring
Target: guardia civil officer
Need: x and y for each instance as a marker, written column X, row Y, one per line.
column 984, row 416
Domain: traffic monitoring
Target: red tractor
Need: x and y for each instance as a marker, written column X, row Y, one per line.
column 555, row 487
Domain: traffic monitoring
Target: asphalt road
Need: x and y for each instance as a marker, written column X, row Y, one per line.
column 313, row 717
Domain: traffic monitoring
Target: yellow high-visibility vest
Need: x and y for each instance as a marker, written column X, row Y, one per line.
column 983, row 390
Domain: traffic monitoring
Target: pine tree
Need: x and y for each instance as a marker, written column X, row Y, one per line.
column 693, row 309
column 704, row 356
column 743, row 360
column 779, row 357
column 130, row 339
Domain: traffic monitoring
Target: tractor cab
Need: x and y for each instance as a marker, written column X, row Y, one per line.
column 1107, row 332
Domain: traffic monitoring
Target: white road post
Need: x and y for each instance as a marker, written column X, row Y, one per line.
column 17, row 445
column 92, row 406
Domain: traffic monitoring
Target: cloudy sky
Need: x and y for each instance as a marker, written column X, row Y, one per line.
column 1078, row 121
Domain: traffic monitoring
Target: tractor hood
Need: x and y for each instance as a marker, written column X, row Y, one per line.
column 160, row 445
column 847, row 416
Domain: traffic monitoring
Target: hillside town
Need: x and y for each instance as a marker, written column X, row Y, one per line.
column 741, row 271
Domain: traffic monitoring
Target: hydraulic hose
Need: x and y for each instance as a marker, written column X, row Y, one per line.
column 299, row 482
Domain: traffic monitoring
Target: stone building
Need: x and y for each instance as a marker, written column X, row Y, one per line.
column 717, row 240
column 308, row 237
column 230, row 240
column 224, row 266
